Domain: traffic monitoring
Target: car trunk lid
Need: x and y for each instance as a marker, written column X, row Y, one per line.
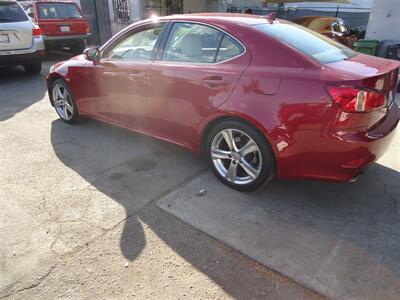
column 363, row 66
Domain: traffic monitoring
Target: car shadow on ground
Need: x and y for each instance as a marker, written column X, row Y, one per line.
column 127, row 168
column 55, row 56
column 12, row 98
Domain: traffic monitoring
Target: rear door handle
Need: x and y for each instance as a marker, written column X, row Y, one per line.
column 215, row 81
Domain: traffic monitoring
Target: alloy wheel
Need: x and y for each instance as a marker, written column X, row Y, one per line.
column 236, row 156
column 63, row 102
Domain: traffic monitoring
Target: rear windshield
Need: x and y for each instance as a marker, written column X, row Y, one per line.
column 58, row 11
column 11, row 12
column 314, row 45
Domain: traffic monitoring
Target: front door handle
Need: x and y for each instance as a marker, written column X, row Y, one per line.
column 137, row 75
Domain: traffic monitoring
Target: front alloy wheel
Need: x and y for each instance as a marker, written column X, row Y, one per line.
column 63, row 101
column 239, row 155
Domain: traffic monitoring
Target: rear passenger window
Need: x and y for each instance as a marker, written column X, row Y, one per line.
column 58, row 11
column 197, row 43
column 229, row 48
column 11, row 12
column 192, row 43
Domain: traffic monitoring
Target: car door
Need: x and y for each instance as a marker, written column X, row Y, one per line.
column 196, row 71
column 122, row 77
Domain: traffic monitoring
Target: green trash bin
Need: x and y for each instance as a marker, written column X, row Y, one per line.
column 367, row 46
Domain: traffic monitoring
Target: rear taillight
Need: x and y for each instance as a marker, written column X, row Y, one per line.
column 87, row 29
column 353, row 99
column 37, row 32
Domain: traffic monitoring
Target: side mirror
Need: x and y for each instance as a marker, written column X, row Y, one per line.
column 92, row 54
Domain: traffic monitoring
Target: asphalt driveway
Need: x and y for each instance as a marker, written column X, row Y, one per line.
column 78, row 217
column 92, row 211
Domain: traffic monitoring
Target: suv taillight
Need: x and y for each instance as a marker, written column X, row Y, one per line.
column 37, row 32
column 352, row 99
column 87, row 29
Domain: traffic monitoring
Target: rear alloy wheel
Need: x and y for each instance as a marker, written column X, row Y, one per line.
column 63, row 101
column 33, row 68
column 239, row 155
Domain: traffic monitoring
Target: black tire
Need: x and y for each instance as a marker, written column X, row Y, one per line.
column 33, row 68
column 78, row 47
column 75, row 115
column 267, row 171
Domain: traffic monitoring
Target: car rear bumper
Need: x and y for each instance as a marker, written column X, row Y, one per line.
column 342, row 155
column 21, row 58
column 66, row 37
column 372, row 144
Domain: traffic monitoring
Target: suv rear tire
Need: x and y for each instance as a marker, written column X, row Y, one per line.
column 33, row 68
column 78, row 47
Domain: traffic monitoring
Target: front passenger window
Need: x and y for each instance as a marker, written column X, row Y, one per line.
column 137, row 46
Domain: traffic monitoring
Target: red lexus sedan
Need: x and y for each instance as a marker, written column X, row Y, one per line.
column 260, row 98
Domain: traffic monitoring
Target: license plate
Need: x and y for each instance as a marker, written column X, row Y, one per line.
column 4, row 38
column 65, row 29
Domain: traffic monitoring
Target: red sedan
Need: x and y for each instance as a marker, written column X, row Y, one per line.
column 259, row 98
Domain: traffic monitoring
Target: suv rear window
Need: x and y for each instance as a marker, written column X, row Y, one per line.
column 58, row 11
column 312, row 44
column 11, row 12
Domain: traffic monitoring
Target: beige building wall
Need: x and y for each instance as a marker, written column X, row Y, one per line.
column 245, row 3
column 194, row 6
column 384, row 21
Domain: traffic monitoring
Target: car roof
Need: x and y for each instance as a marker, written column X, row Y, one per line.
column 54, row 1
column 222, row 18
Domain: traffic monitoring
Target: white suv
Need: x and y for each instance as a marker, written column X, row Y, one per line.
column 21, row 42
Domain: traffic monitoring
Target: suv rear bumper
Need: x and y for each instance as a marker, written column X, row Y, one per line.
column 66, row 37
column 9, row 58
column 20, row 59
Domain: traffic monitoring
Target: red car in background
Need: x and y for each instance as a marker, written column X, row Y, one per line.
column 62, row 22
column 260, row 98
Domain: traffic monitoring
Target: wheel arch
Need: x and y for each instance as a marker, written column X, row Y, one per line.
column 50, row 79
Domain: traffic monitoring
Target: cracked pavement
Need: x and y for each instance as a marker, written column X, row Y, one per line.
column 80, row 216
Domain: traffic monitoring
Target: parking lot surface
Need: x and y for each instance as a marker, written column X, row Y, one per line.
column 91, row 211
column 339, row 239
column 78, row 217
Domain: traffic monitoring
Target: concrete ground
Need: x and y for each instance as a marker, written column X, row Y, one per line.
column 78, row 214
column 339, row 239
column 93, row 211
